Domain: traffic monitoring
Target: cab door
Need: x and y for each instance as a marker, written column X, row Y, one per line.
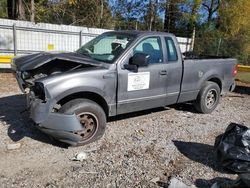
column 145, row 88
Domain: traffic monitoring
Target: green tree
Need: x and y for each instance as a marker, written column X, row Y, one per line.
column 90, row 13
column 16, row 9
column 172, row 13
column 234, row 24
column 129, row 14
column 231, row 36
column 3, row 9
column 211, row 7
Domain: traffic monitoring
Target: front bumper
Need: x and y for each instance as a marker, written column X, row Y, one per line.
column 63, row 136
column 58, row 125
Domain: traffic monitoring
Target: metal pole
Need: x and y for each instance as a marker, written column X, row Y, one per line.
column 187, row 45
column 80, row 39
column 168, row 17
column 193, row 40
column 218, row 49
column 14, row 39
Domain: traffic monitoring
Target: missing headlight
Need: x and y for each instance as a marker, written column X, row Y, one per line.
column 25, row 75
column 39, row 90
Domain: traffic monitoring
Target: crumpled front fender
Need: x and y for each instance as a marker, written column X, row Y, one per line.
column 63, row 136
column 58, row 125
column 63, row 127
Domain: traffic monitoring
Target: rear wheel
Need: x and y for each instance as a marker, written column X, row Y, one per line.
column 208, row 98
column 91, row 116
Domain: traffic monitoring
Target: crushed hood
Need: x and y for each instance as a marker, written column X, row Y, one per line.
column 33, row 61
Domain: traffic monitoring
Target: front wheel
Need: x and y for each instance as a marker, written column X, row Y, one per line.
column 91, row 116
column 208, row 98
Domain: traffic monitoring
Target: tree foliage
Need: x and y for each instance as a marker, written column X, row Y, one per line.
column 211, row 7
column 234, row 25
column 90, row 13
column 3, row 9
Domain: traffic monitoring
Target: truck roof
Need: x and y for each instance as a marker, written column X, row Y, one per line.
column 140, row 33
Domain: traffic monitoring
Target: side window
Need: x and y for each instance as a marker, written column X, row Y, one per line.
column 171, row 50
column 152, row 47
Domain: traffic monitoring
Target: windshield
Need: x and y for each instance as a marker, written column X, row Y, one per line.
column 106, row 47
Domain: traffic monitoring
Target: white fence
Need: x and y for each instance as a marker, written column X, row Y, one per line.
column 22, row 37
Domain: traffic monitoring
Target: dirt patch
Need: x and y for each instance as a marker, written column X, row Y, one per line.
column 8, row 83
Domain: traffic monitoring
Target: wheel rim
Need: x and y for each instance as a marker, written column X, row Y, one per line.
column 211, row 98
column 89, row 124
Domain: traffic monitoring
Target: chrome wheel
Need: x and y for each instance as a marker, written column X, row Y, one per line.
column 211, row 98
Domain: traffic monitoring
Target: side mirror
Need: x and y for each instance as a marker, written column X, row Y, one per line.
column 139, row 59
column 131, row 67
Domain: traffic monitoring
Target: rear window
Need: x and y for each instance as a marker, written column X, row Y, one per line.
column 171, row 50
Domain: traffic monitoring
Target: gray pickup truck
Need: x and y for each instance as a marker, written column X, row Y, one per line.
column 71, row 95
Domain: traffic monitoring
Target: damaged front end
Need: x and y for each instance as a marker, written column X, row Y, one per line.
column 30, row 73
column 61, row 126
column 31, row 68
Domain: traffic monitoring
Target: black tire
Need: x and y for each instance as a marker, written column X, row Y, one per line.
column 208, row 98
column 92, row 117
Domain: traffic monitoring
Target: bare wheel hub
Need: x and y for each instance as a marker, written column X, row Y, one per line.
column 89, row 124
column 211, row 98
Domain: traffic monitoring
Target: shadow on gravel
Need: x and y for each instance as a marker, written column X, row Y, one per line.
column 12, row 111
column 185, row 107
column 242, row 90
column 136, row 114
column 201, row 153
column 226, row 182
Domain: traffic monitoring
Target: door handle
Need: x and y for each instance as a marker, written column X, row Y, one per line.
column 163, row 72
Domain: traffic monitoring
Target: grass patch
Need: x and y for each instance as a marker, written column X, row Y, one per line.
column 243, row 77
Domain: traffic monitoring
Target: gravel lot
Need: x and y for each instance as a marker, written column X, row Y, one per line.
column 136, row 148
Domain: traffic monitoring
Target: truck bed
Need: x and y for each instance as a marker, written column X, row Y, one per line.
column 196, row 70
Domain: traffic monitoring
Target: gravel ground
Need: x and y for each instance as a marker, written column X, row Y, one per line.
column 136, row 148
